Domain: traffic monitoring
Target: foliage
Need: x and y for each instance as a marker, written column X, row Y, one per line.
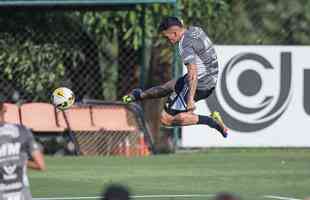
column 280, row 22
column 211, row 15
column 35, row 68
column 41, row 62
column 264, row 22
column 37, row 54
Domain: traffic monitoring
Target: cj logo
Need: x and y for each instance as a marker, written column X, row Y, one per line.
column 245, row 97
column 306, row 91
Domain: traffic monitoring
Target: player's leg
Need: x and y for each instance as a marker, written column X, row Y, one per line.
column 180, row 119
column 175, row 110
column 189, row 118
column 151, row 93
column 166, row 119
column 203, row 95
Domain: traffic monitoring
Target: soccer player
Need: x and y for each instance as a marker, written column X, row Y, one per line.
column 199, row 57
column 18, row 150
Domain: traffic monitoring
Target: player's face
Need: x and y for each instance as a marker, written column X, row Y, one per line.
column 171, row 35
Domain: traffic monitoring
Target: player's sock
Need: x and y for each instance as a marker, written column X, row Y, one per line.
column 210, row 122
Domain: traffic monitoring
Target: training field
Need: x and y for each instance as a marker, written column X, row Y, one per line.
column 251, row 173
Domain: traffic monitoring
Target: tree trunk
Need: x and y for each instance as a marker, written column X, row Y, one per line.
column 159, row 73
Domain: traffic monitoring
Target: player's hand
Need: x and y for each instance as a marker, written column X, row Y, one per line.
column 191, row 106
column 134, row 95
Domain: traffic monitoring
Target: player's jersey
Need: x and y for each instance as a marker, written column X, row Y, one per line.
column 16, row 145
column 195, row 47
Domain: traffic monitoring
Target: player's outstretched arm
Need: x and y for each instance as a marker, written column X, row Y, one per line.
column 37, row 162
column 151, row 93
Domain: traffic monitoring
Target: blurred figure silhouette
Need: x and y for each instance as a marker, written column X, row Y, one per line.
column 226, row 196
column 116, row 192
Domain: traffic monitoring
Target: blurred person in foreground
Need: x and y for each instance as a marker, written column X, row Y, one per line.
column 18, row 150
column 198, row 55
column 226, row 196
column 116, row 192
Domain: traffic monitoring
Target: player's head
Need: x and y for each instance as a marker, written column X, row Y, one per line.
column 116, row 192
column 226, row 196
column 172, row 28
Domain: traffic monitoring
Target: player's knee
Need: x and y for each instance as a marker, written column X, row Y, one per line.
column 180, row 118
column 165, row 121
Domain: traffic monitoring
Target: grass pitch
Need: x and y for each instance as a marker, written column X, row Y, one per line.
column 249, row 173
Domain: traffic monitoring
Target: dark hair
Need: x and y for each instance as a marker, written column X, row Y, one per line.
column 226, row 196
column 116, row 192
column 168, row 22
column 1, row 105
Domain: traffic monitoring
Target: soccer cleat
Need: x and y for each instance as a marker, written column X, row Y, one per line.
column 217, row 117
column 127, row 99
column 135, row 95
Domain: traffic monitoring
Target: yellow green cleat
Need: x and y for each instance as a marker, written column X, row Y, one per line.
column 127, row 99
column 217, row 117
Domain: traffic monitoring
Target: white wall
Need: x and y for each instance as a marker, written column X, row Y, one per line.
column 266, row 127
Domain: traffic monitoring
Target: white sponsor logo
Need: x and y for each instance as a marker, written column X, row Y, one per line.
column 11, row 186
column 10, row 149
column 10, row 172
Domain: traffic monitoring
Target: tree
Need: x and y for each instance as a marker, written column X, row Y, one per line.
column 37, row 55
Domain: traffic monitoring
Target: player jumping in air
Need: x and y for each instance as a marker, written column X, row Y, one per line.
column 18, row 150
column 199, row 57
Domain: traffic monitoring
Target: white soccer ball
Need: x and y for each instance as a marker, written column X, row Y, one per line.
column 63, row 98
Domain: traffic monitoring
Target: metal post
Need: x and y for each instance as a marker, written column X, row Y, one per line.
column 143, row 49
column 177, row 72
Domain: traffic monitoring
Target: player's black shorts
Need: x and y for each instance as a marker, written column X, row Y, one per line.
column 176, row 102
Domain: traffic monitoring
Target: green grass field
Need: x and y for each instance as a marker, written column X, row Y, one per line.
column 250, row 173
